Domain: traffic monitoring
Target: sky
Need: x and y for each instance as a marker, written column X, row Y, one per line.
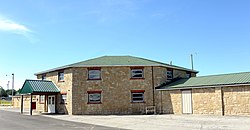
column 41, row 35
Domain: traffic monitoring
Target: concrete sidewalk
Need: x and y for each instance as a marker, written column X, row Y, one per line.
column 160, row 122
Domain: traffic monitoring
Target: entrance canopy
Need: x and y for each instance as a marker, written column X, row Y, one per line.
column 39, row 87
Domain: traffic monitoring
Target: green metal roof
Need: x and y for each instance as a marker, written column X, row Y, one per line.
column 117, row 61
column 213, row 80
column 39, row 86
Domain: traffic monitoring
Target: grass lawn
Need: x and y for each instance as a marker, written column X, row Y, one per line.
column 4, row 102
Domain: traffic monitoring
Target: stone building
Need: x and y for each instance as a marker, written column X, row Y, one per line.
column 104, row 85
column 225, row 94
column 132, row 85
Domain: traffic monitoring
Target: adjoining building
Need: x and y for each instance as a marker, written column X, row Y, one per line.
column 132, row 85
column 225, row 94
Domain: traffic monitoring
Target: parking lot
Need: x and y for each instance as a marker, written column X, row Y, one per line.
column 150, row 122
column 179, row 122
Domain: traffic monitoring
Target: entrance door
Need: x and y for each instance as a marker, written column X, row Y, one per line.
column 187, row 102
column 51, row 104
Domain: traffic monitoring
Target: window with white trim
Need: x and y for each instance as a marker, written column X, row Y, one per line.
column 137, row 96
column 94, row 97
column 137, row 73
column 169, row 74
column 94, row 74
column 41, row 99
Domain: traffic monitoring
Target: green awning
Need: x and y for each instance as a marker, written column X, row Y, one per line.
column 39, row 86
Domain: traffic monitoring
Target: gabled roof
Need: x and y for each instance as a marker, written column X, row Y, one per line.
column 210, row 81
column 39, row 86
column 117, row 61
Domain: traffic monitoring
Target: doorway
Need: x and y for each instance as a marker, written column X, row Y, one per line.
column 187, row 102
column 51, row 104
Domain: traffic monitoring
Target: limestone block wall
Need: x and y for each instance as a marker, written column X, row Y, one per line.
column 214, row 100
column 17, row 101
column 237, row 100
column 168, row 102
column 116, row 85
column 160, row 75
column 64, row 86
column 26, row 102
column 207, row 101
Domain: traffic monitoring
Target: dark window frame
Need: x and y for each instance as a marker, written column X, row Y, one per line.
column 95, row 69
column 188, row 75
column 92, row 93
column 137, row 92
column 59, row 76
column 170, row 75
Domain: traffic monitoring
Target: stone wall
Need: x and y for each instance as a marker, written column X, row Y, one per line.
column 17, row 101
column 64, row 86
column 168, row 102
column 207, row 101
column 116, row 85
column 26, row 102
column 237, row 100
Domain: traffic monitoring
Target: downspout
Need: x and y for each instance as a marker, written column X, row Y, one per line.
column 161, row 102
column 153, row 85
column 222, row 102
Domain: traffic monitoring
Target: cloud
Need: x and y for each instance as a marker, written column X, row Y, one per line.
column 8, row 25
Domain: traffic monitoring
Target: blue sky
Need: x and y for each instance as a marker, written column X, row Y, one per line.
column 40, row 35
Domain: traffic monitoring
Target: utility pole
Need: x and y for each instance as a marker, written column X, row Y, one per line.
column 8, row 85
column 12, row 85
column 192, row 62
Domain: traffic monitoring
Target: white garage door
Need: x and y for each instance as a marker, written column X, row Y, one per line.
column 187, row 102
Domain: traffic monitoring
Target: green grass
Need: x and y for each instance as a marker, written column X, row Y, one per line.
column 4, row 102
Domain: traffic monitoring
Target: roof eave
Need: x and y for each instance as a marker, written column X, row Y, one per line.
column 65, row 67
column 205, row 86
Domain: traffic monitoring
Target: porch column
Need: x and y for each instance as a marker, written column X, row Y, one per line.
column 55, row 103
column 22, row 104
column 30, row 104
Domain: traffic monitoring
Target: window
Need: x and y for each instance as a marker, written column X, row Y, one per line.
column 43, row 76
column 63, row 98
column 137, row 73
column 137, row 95
column 41, row 99
column 61, row 76
column 188, row 75
column 94, row 97
column 169, row 74
column 94, row 73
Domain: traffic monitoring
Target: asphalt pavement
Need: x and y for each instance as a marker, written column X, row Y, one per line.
column 16, row 121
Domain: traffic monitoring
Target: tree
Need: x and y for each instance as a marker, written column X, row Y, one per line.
column 18, row 91
column 9, row 92
column 2, row 92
